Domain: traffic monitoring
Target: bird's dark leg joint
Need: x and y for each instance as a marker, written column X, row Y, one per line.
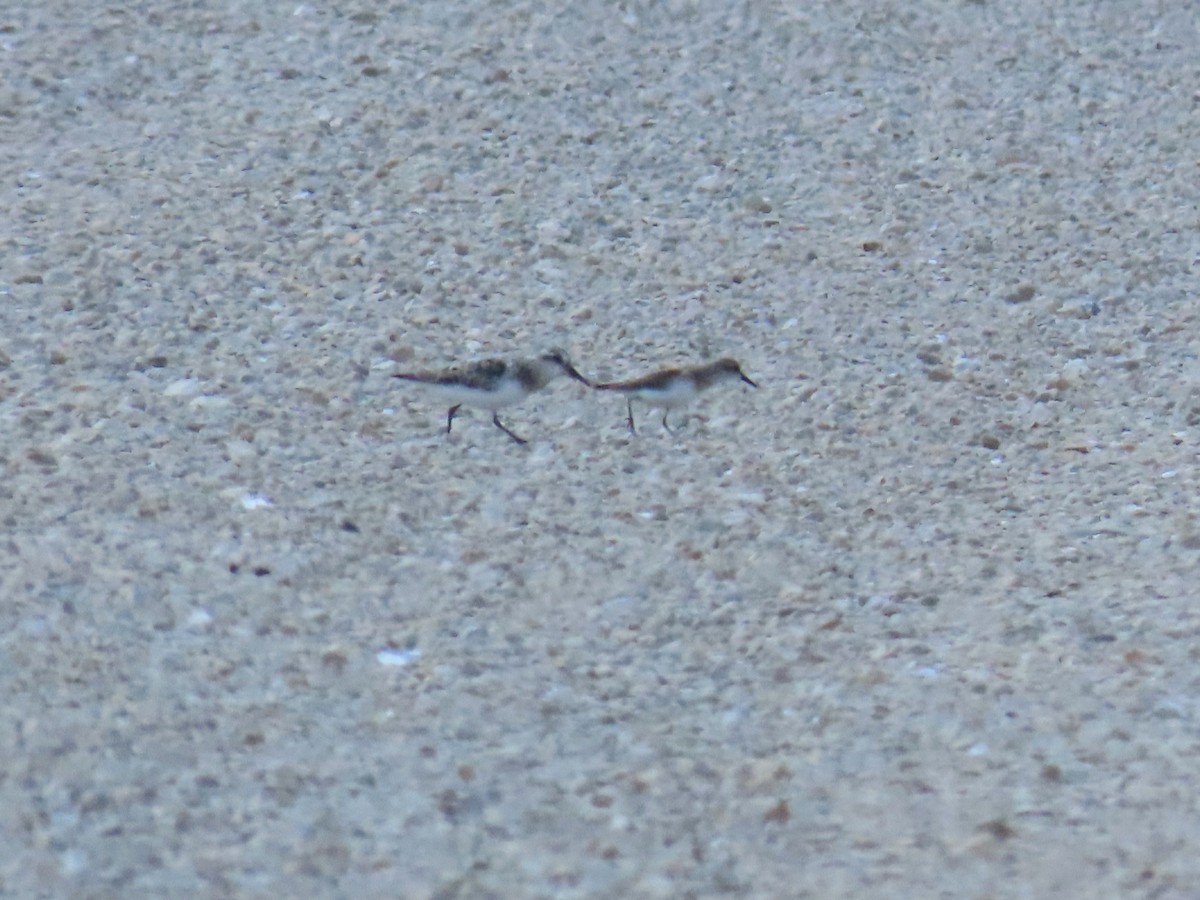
column 496, row 421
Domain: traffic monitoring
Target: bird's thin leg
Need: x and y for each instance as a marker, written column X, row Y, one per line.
column 665, row 425
column 629, row 408
column 450, row 417
column 496, row 421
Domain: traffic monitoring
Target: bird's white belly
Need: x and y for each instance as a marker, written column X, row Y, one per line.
column 668, row 398
column 505, row 394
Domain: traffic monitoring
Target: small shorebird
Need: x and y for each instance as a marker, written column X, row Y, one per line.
column 675, row 388
column 494, row 383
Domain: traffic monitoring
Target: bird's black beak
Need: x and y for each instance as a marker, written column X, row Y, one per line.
column 747, row 380
column 570, row 370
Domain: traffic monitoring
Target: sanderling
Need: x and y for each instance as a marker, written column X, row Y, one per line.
column 494, row 383
column 675, row 388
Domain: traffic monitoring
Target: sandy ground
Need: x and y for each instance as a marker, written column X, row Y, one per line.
column 916, row 618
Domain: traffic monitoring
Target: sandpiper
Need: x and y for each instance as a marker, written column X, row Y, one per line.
column 675, row 388
column 494, row 383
